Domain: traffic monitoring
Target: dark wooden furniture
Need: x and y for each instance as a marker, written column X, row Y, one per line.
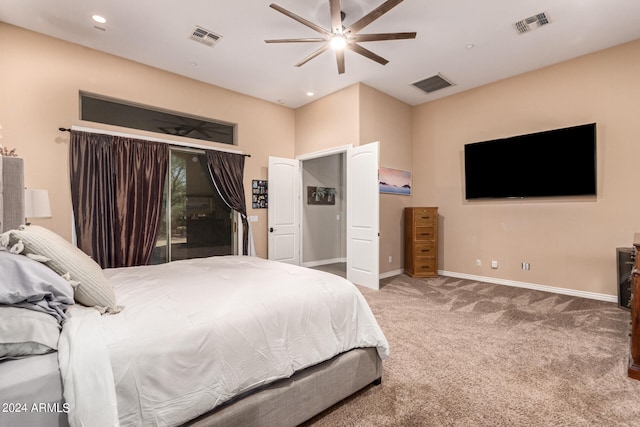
column 634, row 353
column 421, row 242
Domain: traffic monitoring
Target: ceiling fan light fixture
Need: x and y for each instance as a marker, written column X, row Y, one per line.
column 338, row 42
column 339, row 37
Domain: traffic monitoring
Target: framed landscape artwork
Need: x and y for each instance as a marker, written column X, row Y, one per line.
column 395, row 181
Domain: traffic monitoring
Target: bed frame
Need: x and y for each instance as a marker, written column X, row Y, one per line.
column 291, row 401
column 287, row 402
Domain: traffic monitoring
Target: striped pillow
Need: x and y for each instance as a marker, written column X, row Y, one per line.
column 91, row 287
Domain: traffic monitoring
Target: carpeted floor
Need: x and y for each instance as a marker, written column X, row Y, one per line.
column 465, row 353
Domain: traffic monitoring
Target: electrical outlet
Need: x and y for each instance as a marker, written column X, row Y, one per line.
column 390, row 258
column 494, row 264
column 478, row 263
column 526, row 266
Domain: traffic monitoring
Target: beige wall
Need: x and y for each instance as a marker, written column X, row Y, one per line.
column 569, row 242
column 40, row 78
column 329, row 122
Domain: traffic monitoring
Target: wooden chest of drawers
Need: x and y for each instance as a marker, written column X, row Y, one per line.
column 421, row 242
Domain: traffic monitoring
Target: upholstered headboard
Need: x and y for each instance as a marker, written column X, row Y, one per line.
column 11, row 192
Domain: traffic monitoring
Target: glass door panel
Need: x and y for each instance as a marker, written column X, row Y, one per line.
column 196, row 222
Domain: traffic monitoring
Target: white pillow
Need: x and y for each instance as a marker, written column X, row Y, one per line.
column 26, row 332
column 91, row 288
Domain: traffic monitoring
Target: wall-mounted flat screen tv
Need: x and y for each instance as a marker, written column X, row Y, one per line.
column 559, row 162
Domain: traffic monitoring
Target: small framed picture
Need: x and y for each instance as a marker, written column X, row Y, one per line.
column 259, row 194
column 321, row 196
column 395, row 181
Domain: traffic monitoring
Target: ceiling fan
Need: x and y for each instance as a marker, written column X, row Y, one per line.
column 340, row 38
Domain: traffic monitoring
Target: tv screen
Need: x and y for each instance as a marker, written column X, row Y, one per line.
column 560, row 162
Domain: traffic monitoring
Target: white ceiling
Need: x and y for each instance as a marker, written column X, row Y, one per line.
column 156, row 33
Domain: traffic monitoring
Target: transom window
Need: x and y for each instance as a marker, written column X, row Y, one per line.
column 99, row 109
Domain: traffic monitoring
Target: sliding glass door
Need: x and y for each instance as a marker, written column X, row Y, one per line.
column 196, row 223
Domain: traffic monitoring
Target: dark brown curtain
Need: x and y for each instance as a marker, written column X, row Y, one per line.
column 117, row 185
column 227, row 172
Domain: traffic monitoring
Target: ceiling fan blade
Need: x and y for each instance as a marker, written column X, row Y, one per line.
column 336, row 19
column 373, row 15
column 306, row 40
column 366, row 53
column 340, row 60
column 313, row 55
column 378, row 37
column 300, row 19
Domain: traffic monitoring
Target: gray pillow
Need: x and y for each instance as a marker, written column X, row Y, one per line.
column 26, row 333
column 91, row 288
column 26, row 283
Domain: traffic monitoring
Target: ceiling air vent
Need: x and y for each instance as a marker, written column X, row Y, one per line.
column 532, row 22
column 205, row 37
column 433, row 83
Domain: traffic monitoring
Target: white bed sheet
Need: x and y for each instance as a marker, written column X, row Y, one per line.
column 195, row 333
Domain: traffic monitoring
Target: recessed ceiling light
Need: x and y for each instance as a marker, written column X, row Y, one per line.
column 99, row 19
column 310, row 93
column 470, row 46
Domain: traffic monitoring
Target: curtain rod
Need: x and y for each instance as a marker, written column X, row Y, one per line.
column 178, row 143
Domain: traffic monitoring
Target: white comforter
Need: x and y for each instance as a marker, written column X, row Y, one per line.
column 195, row 333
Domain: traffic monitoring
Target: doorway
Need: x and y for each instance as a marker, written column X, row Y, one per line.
column 362, row 210
column 324, row 229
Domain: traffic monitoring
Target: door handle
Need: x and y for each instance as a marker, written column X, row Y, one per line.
column 270, row 229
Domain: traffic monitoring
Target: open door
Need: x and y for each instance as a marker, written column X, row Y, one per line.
column 284, row 210
column 363, row 204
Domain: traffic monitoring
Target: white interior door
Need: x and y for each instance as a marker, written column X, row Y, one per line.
column 284, row 210
column 363, row 204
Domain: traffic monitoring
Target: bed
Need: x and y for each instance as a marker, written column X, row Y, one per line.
column 216, row 341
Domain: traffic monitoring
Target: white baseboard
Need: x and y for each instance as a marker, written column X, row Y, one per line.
column 563, row 291
column 323, row 262
column 391, row 273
